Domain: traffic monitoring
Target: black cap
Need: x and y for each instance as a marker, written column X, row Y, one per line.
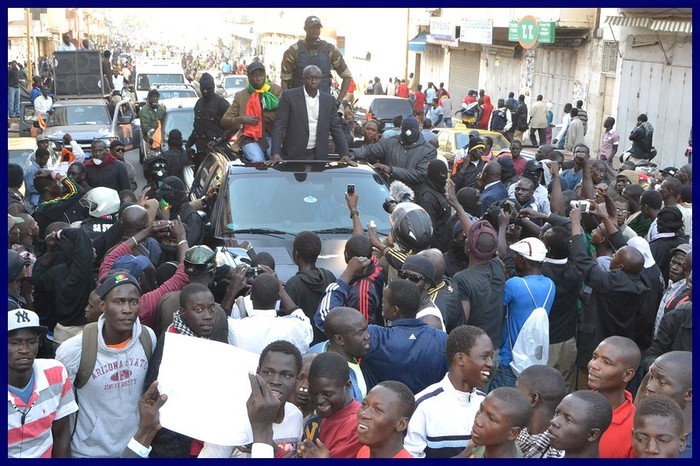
column 115, row 144
column 256, row 65
column 114, row 280
column 312, row 21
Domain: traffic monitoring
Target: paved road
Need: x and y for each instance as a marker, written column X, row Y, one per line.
column 133, row 157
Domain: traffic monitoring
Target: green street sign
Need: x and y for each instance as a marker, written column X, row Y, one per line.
column 528, row 32
column 513, row 31
column 547, row 32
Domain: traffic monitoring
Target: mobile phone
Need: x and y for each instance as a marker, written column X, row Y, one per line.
column 351, row 189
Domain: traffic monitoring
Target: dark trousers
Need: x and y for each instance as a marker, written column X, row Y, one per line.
column 542, row 135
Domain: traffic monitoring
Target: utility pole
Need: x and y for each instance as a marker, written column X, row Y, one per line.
column 408, row 29
column 29, row 47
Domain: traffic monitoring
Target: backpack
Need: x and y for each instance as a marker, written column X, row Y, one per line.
column 531, row 346
column 88, row 355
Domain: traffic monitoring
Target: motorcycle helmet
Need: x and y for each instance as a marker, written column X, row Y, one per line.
column 200, row 259
column 411, row 227
column 101, row 201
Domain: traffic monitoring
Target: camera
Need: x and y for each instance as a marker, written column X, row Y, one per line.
column 351, row 189
column 585, row 206
column 252, row 272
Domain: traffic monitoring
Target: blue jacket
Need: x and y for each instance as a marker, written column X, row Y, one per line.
column 409, row 351
column 493, row 193
column 363, row 294
column 355, row 389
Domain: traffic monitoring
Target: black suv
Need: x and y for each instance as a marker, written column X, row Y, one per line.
column 268, row 206
column 382, row 108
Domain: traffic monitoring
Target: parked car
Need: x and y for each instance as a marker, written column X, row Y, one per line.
column 267, row 206
column 382, row 108
column 230, row 84
column 451, row 140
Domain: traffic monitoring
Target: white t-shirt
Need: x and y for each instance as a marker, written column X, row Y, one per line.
column 312, row 106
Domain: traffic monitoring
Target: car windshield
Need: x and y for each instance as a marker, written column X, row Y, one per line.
column 295, row 202
column 176, row 93
column 179, row 119
column 145, row 81
column 232, row 82
column 79, row 115
column 389, row 108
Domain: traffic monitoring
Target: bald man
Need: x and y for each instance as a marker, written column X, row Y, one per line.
column 616, row 295
column 613, row 364
column 444, row 294
column 492, row 189
column 347, row 333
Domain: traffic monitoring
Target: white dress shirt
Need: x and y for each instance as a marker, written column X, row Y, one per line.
column 312, row 106
column 262, row 327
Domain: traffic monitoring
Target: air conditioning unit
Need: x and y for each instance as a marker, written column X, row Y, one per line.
column 433, row 11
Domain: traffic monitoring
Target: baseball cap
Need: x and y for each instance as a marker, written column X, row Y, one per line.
column 530, row 248
column 15, row 265
column 42, row 137
column 631, row 175
column 669, row 171
column 533, row 166
column 171, row 187
column 114, row 280
column 684, row 248
column 135, row 265
column 482, row 227
column 312, row 21
column 641, row 245
column 256, row 65
column 420, row 265
column 18, row 319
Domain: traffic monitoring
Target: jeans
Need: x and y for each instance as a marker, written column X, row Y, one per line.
column 13, row 102
column 504, row 377
column 254, row 153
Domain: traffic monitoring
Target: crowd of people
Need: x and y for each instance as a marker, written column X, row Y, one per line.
column 519, row 308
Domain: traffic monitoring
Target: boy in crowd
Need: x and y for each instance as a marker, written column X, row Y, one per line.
column 578, row 424
column 544, row 387
column 658, row 428
column 329, row 390
column 445, row 411
column 502, row 415
column 614, row 363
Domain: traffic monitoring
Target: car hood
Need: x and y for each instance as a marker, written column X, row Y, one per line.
column 80, row 132
column 332, row 253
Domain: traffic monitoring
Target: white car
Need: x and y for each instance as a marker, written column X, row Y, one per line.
column 230, row 84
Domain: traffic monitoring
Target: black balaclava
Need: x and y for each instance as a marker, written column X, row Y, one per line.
column 409, row 131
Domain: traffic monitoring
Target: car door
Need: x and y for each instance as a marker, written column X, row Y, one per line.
column 26, row 119
column 123, row 124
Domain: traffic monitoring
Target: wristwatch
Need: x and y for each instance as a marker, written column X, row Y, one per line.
column 353, row 213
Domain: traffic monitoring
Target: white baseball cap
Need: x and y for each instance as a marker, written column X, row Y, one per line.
column 530, row 248
column 23, row 318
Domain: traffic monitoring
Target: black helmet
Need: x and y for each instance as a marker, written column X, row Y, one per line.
column 411, row 227
column 200, row 259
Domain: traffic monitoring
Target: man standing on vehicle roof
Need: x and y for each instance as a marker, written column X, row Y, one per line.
column 208, row 111
column 314, row 51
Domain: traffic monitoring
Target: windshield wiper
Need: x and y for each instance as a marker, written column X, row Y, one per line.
column 260, row 231
column 338, row 230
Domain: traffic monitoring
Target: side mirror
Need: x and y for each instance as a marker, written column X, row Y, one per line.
column 124, row 119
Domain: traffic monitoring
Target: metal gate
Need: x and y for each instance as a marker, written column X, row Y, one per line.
column 554, row 76
column 664, row 94
column 464, row 74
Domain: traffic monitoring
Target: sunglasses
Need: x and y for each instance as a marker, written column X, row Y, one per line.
column 119, row 149
column 415, row 278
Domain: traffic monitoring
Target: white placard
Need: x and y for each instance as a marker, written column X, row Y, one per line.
column 207, row 386
column 441, row 28
column 476, row 32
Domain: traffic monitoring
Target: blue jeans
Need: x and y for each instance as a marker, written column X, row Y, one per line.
column 13, row 102
column 504, row 377
column 254, row 153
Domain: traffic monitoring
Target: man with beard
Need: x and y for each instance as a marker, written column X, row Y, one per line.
column 431, row 197
column 253, row 109
column 208, row 111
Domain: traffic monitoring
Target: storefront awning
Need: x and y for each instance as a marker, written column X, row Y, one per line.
column 417, row 44
column 660, row 25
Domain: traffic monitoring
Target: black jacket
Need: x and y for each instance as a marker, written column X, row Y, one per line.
column 110, row 175
column 62, row 209
column 306, row 289
column 207, row 121
column 433, row 200
column 675, row 334
column 614, row 301
column 70, row 282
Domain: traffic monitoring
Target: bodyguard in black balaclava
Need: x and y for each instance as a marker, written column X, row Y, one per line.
column 409, row 131
column 208, row 111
